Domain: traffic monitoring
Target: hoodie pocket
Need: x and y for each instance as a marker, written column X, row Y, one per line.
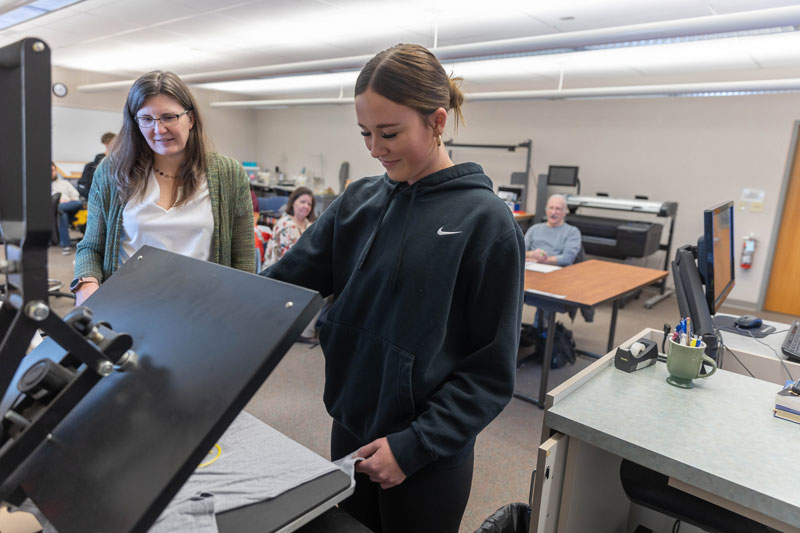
column 367, row 381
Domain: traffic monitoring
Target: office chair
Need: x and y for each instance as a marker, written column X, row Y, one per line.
column 344, row 174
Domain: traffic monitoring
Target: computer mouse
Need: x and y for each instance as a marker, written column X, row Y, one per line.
column 748, row 322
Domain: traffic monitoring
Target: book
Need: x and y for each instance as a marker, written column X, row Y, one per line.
column 786, row 414
column 788, row 397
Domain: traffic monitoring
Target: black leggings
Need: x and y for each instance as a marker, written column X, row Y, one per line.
column 432, row 500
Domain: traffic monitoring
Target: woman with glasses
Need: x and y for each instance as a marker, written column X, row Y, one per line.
column 426, row 265
column 160, row 186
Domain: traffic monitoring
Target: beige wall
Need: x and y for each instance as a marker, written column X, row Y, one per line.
column 232, row 132
column 695, row 151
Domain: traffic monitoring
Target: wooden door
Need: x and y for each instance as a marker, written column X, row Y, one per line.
column 783, row 289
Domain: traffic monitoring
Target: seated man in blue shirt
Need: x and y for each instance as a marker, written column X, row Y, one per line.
column 553, row 242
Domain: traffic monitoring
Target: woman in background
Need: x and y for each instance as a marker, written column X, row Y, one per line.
column 426, row 264
column 293, row 223
column 160, row 186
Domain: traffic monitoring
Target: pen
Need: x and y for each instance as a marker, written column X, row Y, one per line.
column 689, row 327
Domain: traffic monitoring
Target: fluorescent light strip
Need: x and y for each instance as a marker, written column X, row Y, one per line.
column 709, row 89
column 692, row 38
column 31, row 11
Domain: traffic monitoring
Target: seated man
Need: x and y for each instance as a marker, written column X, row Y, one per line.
column 85, row 183
column 553, row 242
column 70, row 204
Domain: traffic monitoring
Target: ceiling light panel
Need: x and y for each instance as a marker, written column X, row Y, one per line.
column 32, row 11
column 336, row 81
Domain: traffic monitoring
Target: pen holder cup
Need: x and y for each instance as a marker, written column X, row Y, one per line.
column 684, row 364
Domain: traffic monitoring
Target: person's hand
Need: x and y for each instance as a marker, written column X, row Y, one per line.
column 86, row 289
column 539, row 255
column 379, row 464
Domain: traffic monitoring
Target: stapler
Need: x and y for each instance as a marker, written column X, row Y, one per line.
column 640, row 354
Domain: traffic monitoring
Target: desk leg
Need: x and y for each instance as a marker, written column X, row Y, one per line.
column 613, row 326
column 549, row 316
column 547, row 358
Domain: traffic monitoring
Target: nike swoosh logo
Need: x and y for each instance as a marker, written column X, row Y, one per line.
column 443, row 232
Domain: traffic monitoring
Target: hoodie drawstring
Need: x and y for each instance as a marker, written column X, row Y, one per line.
column 396, row 270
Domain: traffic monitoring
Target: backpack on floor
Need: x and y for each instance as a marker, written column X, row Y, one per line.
column 563, row 344
column 563, row 347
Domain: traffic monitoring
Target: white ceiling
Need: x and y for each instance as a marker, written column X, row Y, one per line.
column 128, row 37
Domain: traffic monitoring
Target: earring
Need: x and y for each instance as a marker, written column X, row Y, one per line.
column 438, row 140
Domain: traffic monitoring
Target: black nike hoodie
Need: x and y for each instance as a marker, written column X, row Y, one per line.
column 420, row 343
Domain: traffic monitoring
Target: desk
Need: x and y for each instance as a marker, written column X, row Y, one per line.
column 729, row 450
column 584, row 284
column 759, row 359
column 525, row 220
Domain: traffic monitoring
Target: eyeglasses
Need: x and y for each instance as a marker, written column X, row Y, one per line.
column 170, row 119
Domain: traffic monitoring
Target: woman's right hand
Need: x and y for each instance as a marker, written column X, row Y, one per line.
column 86, row 289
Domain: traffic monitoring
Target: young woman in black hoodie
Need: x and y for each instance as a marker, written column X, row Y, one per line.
column 426, row 264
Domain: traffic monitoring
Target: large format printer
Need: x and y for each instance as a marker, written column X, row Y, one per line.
column 616, row 237
column 622, row 238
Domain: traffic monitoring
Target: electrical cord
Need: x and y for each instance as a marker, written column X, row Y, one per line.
column 719, row 354
column 738, row 361
column 676, row 526
column 667, row 329
column 783, row 363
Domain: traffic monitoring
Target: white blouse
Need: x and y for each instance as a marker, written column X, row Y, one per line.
column 186, row 230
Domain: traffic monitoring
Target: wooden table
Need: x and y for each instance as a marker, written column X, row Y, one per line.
column 525, row 220
column 586, row 284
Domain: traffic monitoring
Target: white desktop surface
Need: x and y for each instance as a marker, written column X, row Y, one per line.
column 745, row 342
column 763, row 362
column 720, row 436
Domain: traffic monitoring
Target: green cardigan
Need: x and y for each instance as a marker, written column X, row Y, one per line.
column 97, row 255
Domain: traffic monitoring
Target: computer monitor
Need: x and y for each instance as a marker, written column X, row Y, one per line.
column 715, row 254
column 708, row 264
column 562, row 176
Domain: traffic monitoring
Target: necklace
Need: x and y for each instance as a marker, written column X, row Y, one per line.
column 164, row 174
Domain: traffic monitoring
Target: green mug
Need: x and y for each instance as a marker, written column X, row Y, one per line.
column 684, row 364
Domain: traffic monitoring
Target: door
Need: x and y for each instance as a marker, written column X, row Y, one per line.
column 783, row 289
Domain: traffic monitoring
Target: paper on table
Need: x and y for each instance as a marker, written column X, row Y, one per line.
column 541, row 267
column 550, row 294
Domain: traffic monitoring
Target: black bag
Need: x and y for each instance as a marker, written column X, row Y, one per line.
column 563, row 343
column 511, row 518
column 563, row 347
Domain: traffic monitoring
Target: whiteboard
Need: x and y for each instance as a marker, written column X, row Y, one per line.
column 77, row 132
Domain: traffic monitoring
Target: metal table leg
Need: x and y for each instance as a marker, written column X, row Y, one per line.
column 547, row 356
column 613, row 326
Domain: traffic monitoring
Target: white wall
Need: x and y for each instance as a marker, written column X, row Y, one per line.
column 302, row 137
column 696, row 151
column 81, row 118
column 76, row 132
